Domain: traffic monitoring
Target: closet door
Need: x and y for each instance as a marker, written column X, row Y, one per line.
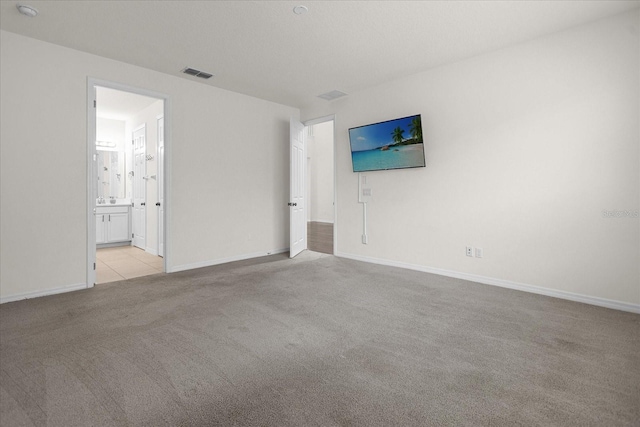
column 297, row 189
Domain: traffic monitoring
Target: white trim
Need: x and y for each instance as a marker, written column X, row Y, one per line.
column 158, row 117
column 151, row 251
column 140, row 127
column 586, row 299
column 36, row 294
column 335, row 186
column 218, row 261
column 321, row 222
column 91, row 134
column 167, row 256
column 113, row 244
column 319, row 120
column 91, row 195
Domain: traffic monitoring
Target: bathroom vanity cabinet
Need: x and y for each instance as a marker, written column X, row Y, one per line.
column 113, row 224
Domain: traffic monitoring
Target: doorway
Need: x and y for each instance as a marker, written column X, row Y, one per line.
column 320, row 187
column 313, row 221
column 127, row 215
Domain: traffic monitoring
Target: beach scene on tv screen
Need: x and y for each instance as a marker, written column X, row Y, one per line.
column 395, row 144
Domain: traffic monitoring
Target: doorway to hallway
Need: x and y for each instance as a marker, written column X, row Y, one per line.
column 320, row 187
column 320, row 237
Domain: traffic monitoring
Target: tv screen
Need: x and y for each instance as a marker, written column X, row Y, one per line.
column 394, row 144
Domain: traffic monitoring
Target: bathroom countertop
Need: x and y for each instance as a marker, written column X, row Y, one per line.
column 117, row 204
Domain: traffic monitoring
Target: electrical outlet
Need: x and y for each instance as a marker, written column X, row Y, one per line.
column 479, row 253
column 469, row 251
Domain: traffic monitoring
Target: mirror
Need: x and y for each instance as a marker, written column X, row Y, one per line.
column 112, row 175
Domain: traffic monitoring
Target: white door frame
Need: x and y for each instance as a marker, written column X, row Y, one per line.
column 91, row 169
column 160, row 182
column 311, row 122
column 139, row 180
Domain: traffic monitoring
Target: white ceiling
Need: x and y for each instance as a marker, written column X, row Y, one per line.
column 118, row 105
column 263, row 49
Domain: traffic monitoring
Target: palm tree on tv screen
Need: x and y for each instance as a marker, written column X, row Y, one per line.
column 415, row 128
column 397, row 134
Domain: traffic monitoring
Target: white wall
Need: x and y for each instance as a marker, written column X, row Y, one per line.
column 149, row 118
column 111, row 131
column 525, row 148
column 230, row 155
column 320, row 148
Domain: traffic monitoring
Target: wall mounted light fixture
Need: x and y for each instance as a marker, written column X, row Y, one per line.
column 108, row 144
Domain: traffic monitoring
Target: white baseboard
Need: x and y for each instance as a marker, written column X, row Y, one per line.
column 225, row 260
column 112, row 245
column 36, row 294
column 321, row 222
column 69, row 288
column 151, row 251
column 602, row 302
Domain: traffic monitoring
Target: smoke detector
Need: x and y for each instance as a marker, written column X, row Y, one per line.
column 300, row 9
column 26, row 10
column 334, row 94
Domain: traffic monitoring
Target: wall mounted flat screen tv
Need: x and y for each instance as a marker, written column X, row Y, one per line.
column 394, row 144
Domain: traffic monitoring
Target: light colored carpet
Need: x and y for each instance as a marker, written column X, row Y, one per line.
column 314, row 341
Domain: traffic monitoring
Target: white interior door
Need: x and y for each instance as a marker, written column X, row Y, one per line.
column 139, row 187
column 161, row 186
column 297, row 189
column 92, row 183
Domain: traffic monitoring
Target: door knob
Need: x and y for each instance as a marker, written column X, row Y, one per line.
column 293, row 204
column 158, row 204
column 143, row 204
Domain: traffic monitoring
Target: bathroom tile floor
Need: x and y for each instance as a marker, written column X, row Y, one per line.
column 125, row 262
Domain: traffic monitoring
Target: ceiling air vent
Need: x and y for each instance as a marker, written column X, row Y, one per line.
column 197, row 73
column 330, row 96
